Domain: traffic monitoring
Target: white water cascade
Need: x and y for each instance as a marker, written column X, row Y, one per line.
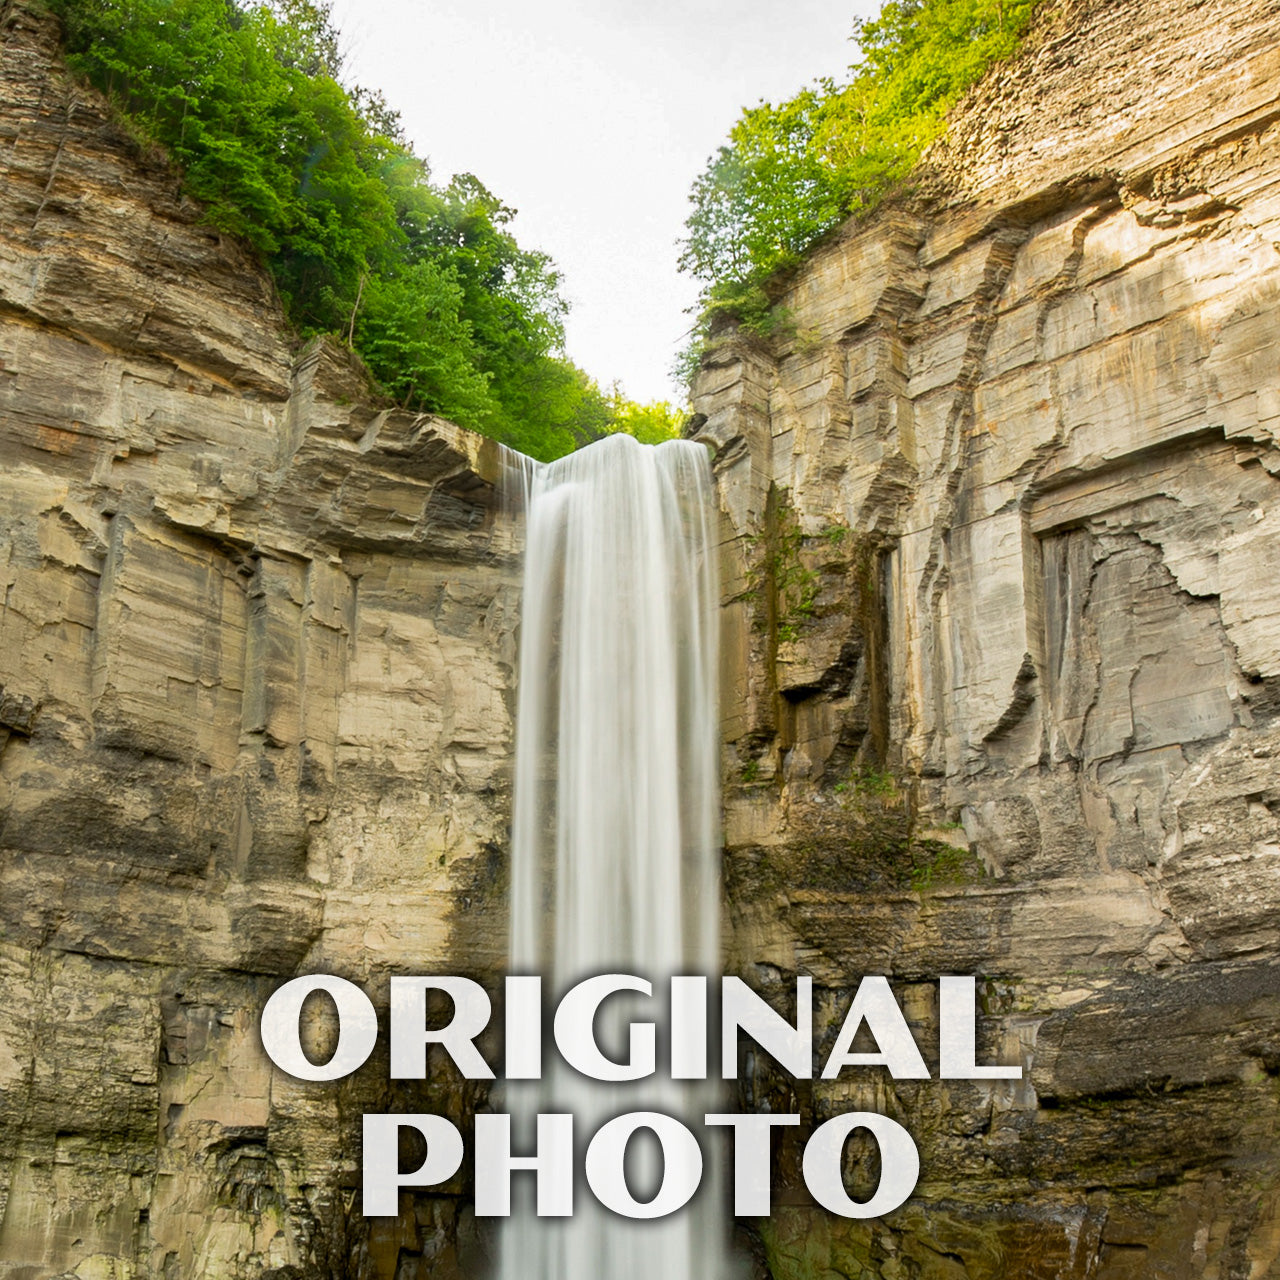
column 615, row 863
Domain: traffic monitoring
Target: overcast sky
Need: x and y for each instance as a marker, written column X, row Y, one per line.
column 592, row 118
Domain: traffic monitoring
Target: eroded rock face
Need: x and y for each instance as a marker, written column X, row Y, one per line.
column 1002, row 650
column 256, row 647
column 1002, row 519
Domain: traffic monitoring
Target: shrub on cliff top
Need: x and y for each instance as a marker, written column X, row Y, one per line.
column 789, row 173
column 427, row 283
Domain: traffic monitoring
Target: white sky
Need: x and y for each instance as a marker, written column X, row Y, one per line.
column 592, row 118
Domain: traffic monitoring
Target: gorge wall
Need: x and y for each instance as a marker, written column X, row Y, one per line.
column 256, row 650
column 1002, row 651
column 1002, row 528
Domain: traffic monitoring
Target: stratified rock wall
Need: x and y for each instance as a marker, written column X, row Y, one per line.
column 256, row 644
column 1002, row 520
column 1002, row 642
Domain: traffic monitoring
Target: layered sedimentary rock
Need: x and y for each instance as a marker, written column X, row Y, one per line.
column 1002, row 647
column 256, row 642
column 1002, row 530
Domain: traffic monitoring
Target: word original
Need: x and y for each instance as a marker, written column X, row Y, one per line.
column 573, row 1028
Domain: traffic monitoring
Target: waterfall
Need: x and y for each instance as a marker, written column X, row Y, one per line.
column 615, row 842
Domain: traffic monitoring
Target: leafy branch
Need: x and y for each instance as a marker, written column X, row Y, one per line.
column 790, row 173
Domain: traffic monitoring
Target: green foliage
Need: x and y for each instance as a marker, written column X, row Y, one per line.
column 762, row 200
column 650, row 423
column 791, row 172
column 427, row 283
column 599, row 413
column 781, row 575
column 934, row 863
column 411, row 333
column 876, row 784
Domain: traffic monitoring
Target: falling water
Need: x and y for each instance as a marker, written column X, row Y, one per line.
column 615, row 834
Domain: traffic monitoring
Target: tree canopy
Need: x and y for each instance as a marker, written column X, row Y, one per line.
column 426, row 282
column 791, row 172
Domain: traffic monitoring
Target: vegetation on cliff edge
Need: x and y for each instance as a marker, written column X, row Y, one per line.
column 426, row 282
column 790, row 173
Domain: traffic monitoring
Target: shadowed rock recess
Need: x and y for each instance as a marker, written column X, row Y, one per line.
column 1001, row 530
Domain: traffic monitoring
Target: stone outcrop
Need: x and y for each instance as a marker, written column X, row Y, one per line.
column 1002, row 530
column 256, row 646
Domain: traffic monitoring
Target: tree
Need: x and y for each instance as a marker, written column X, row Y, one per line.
column 650, row 423
column 429, row 284
column 789, row 173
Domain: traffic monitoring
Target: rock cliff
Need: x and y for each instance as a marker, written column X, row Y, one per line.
column 1002, row 532
column 256, row 645
column 1002, row 679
